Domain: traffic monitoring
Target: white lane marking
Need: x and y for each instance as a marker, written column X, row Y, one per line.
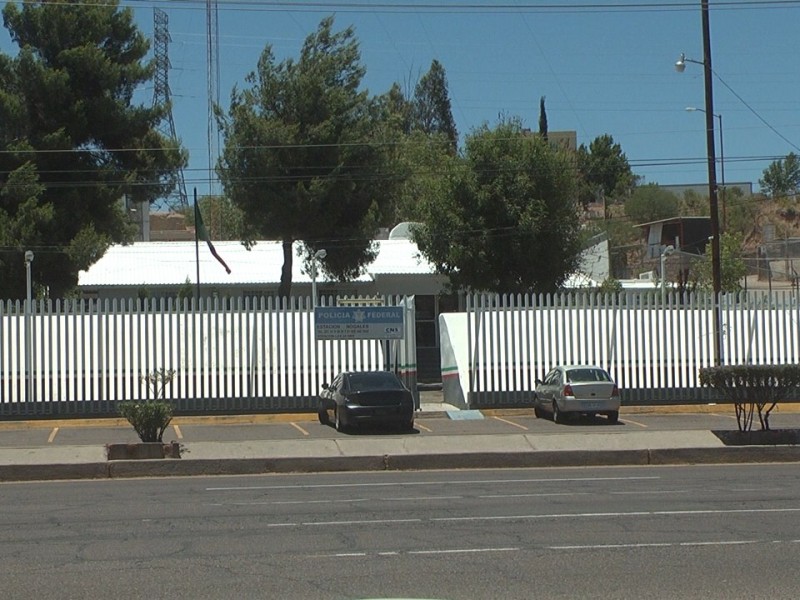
column 657, row 545
column 723, row 543
column 463, row 550
column 512, row 423
column 638, row 493
column 611, row 546
column 345, row 501
column 543, row 495
column 647, row 513
column 53, row 435
column 283, row 502
column 632, row 422
column 300, row 429
column 363, row 522
column 401, row 499
column 634, row 545
column 413, row 483
column 178, row 432
column 654, row 513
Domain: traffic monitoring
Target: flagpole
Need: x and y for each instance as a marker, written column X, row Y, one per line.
column 196, row 246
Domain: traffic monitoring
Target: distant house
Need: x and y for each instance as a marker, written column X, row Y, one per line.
column 687, row 234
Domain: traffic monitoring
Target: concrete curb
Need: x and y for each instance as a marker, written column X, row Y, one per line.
column 409, row 462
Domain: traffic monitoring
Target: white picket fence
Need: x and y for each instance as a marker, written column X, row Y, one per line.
column 84, row 357
column 653, row 349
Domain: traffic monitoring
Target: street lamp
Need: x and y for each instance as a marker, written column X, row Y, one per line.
column 318, row 255
column 721, row 166
column 680, row 66
column 28, row 343
column 664, row 254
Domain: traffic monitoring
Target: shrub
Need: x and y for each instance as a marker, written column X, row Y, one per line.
column 751, row 387
column 150, row 418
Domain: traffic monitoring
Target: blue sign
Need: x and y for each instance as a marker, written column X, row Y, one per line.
column 359, row 322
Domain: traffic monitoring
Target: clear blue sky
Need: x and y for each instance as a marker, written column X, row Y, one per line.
column 605, row 68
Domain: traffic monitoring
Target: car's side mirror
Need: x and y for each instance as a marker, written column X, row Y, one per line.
column 325, row 386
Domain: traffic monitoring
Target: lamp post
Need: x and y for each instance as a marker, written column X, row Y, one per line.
column 28, row 344
column 318, row 255
column 721, row 166
column 664, row 254
column 680, row 66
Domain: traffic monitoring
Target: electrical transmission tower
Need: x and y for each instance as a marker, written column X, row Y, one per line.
column 212, row 79
column 161, row 92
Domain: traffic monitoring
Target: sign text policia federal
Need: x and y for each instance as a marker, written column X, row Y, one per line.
column 372, row 322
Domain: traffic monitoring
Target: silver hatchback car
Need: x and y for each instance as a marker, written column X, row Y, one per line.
column 577, row 389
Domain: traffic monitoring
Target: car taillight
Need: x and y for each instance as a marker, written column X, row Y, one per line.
column 568, row 390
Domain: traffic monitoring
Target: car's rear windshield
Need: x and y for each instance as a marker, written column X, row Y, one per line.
column 374, row 381
column 587, row 375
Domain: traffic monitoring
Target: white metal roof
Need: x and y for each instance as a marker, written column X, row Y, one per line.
column 172, row 263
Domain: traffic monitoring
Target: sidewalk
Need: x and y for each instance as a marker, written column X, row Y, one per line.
column 403, row 452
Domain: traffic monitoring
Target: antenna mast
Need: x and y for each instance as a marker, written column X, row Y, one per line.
column 212, row 64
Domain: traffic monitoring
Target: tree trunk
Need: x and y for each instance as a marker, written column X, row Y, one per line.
column 285, row 288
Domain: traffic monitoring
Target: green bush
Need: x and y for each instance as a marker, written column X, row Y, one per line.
column 150, row 418
column 751, row 387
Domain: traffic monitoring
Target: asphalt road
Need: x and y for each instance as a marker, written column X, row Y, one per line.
column 629, row 533
column 15, row 435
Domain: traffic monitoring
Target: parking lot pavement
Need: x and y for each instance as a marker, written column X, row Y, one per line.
column 23, row 434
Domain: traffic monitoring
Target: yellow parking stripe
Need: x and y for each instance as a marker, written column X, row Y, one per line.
column 634, row 423
column 52, row 435
column 512, row 423
column 419, row 426
column 300, row 429
column 178, row 431
column 719, row 415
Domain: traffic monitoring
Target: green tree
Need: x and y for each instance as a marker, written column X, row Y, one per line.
column 419, row 165
column 73, row 143
column 542, row 119
column 739, row 212
column 694, row 204
column 222, row 218
column 432, row 112
column 732, row 266
column 505, row 219
column 781, row 177
column 304, row 155
column 604, row 171
column 651, row 203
